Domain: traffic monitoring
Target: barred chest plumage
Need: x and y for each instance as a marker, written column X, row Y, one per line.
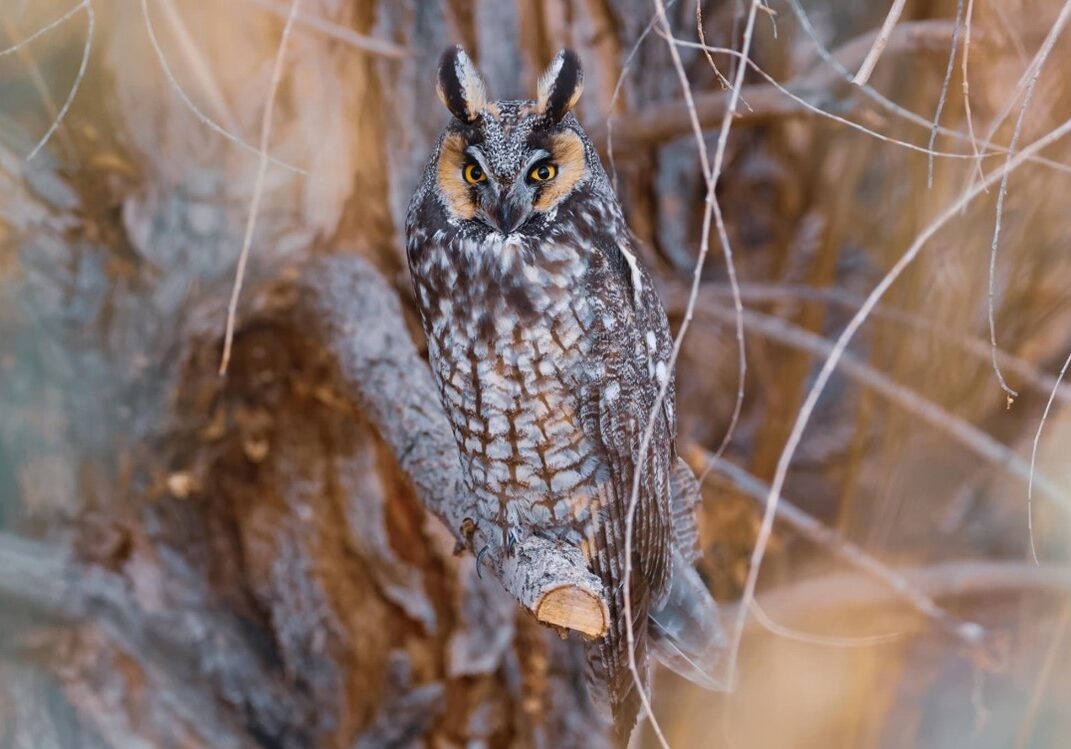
column 509, row 325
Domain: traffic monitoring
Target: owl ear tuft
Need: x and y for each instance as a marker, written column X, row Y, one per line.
column 461, row 87
column 560, row 85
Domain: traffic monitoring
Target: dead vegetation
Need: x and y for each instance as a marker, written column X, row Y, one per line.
column 190, row 560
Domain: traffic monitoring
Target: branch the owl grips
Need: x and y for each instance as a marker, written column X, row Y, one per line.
column 560, row 85
column 461, row 88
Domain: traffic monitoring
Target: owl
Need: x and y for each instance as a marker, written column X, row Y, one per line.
column 549, row 346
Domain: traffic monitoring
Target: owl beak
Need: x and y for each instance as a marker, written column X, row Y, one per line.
column 509, row 212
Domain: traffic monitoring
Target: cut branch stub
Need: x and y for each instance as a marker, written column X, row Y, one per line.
column 573, row 608
column 552, row 580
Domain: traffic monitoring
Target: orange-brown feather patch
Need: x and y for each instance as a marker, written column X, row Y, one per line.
column 567, row 151
column 451, row 181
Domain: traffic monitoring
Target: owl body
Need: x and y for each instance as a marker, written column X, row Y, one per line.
column 550, row 346
column 514, row 327
column 508, row 360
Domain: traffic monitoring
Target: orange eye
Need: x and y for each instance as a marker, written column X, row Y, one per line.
column 474, row 174
column 543, row 172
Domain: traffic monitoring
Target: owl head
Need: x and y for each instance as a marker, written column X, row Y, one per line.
column 505, row 166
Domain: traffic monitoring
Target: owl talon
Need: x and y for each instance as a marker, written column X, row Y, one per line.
column 511, row 541
column 479, row 557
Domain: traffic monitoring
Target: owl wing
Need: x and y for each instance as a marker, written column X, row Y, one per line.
column 630, row 337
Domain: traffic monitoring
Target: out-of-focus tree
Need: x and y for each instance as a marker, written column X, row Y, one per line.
column 203, row 561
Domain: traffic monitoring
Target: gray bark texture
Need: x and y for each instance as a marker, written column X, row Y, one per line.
column 279, row 557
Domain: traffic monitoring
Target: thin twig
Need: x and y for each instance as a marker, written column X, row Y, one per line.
column 1037, row 65
column 1033, row 461
column 258, row 187
column 776, row 88
column 895, row 109
column 1029, row 74
column 967, row 88
column 353, row 39
column 973, row 345
column 822, row 379
column 58, row 120
column 1026, row 728
column 617, row 92
column 872, row 57
column 811, row 528
column 968, row 577
column 944, row 92
column 43, row 30
column 703, row 40
column 204, row 118
column 974, row 439
column 197, row 63
column 38, row 80
column 807, row 638
column 711, row 174
column 630, row 635
column 712, row 207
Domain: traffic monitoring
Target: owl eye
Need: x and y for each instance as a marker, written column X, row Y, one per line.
column 543, row 172
column 474, row 174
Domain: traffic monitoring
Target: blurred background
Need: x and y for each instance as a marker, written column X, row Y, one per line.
column 189, row 560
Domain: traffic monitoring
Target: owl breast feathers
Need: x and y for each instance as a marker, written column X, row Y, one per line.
column 550, row 347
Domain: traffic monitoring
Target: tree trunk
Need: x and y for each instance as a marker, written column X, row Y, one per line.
column 278, row 557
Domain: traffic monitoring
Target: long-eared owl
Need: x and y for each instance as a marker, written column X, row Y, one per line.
column 550, row 345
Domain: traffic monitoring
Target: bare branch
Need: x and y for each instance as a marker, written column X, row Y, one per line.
column 906, row 114
column 815, row 531
column 944, row 92
column 1030, row 85
column 1041, row 684
column 977, row 577
column 1034, row 457
column 967, row 434
column 58, row 120
column 841, row 345
column 360, row 42
column 1033, row 377
column 258, row 185
column 201, row 116
column 671, row 119
column 882, row 39
column 42, row 31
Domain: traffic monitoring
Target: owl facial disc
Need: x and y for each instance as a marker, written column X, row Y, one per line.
column 502, row 164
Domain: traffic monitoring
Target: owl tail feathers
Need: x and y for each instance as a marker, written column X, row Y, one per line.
column 685, row 633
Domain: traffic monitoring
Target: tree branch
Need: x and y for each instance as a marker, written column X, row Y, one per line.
column 670, row 119
column 809, row 527
column 972, row 577
column 362, row 323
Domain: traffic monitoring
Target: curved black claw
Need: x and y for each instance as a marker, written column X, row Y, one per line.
column 479, row 557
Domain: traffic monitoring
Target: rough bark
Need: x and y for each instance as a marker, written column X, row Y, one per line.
column 268, row 559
